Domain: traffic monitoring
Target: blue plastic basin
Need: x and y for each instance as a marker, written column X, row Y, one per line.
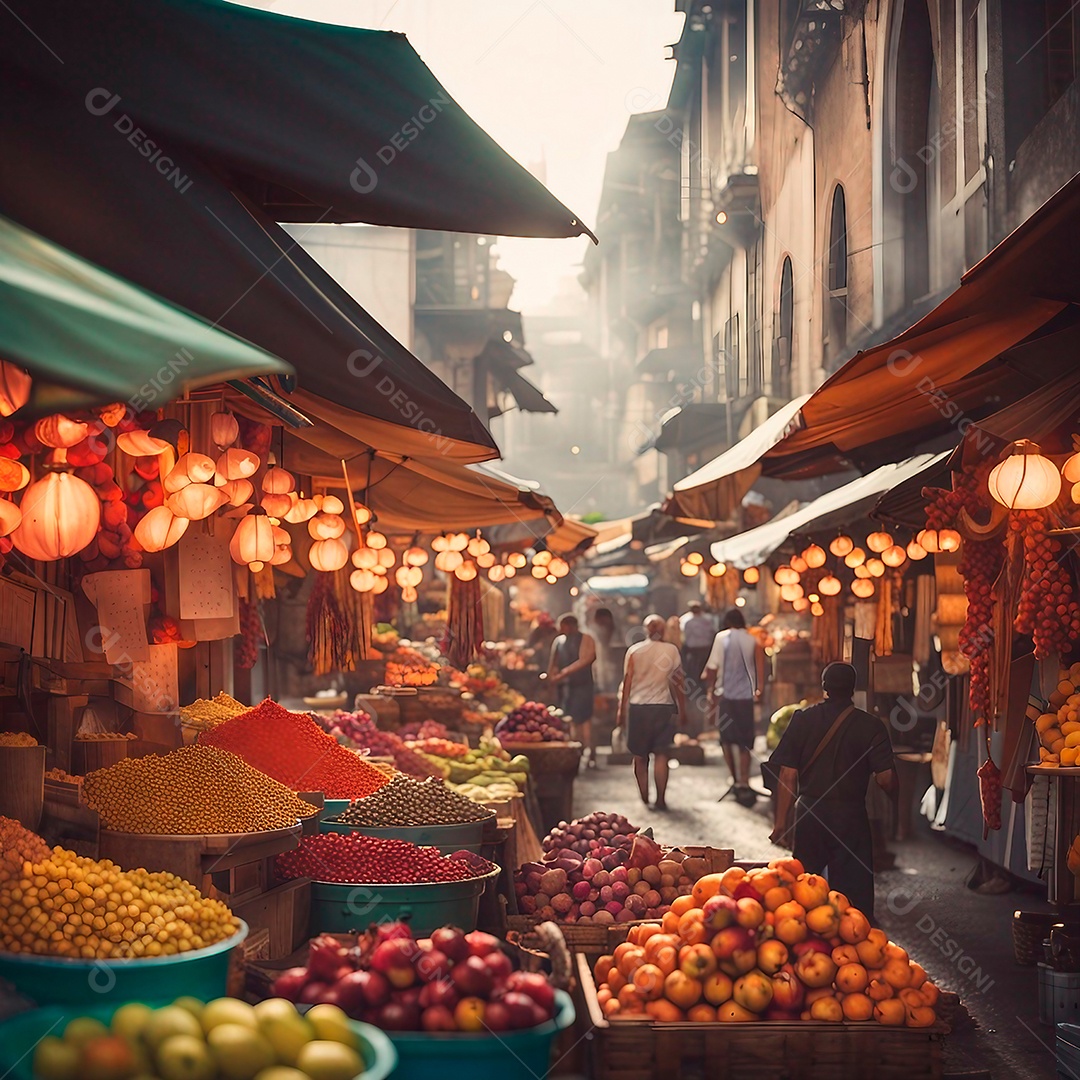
column 155, row 980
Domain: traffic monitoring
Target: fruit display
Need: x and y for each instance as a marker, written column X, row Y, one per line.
column 194, row 790
column 405, row 801
column 426, row 729
column 384, row 637
column 293, row 749
column 223, row 1039
column 348, row 858
column 17, row 738
column 1059, row 728
column 773, row 943
column 483, row 766
column 106, row 736
column 600, row 869
column 357, row 729
column 209, row 712
column 407, row 667
column 450, row 981
column 439, row 747
column 68, row 905
column 18, row 846
column 532, row 722
column 487, row 698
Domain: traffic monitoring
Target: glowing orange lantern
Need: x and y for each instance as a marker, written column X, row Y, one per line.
column 224, row 430
column 894, row 556
column 58, row 431
column 855, row 557
column 10, row 516
column 15, row 387
column 879, row 541
column 829, row 585
column 863, row 588
column 915, row 551
column 14, row 475
column 415, row 556
column 798, row 564
column 814, row 556
column 302, row 510
column 841, row 546
column 196, row 501
column 752, row 575
column 141, row 444
column 159, row 529
column 448, row 561
column 237, row 491
column 60, row 516
column 949, row 539
column 253, row 541
column 278, row 481
column 1025, row 480
column 238, row 464
column 328, row 555
column 375, row 540
column 324, row 526
column 785, row 575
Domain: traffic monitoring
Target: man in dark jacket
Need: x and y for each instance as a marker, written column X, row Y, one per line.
column 832, row 827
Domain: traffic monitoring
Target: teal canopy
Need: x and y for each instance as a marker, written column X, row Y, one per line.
column 88, row 337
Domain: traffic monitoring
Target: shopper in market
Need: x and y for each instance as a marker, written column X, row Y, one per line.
column 825, row 761
column 734, row 676
column 652, row 706
column 570, row 670
column 698, row 631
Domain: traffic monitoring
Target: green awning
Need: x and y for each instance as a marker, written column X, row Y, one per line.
column 88, row 337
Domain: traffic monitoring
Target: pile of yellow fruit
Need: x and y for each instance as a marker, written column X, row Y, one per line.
column 18, row 845
column 63, row 776
column 206, row 713
column 70, row 905
column 225, row 1038
column 191, row 791
column 105, row 736
column 1059, row 731
column 17, row 738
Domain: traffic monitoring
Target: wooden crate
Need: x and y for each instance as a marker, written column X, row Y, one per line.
column 283, row 912
column 766, row 1050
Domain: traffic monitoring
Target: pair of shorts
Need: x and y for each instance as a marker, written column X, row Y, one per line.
column 735, row 719
column 577, row 702
column 650, row 729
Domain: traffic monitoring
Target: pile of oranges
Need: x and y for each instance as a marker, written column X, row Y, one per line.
column 773, row 943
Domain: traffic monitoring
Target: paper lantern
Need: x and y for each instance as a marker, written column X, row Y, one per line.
column 237, row 491
column 302, row 510
column 687, row 569
column 542, row 558
column 718, row 569
column 379, row 569
column 841, row 546
column 58, row 431
column 375, row 540
column 855, row 557
column 224, row 430
column 408, row 596
column 879, row 541
column 196, row 501
column 448, row 561
column 458, row 541
column 791, row 592
column 282, row 554
column 928, row 541
column 60, row 516
column 401, row 576
column 862, row 588
column 364, row 558
column 496, row 573
column 863, row 571
column 915, row 551
column 752, row 575
column 817, row 610
column 785, row 575
column 695, row 558
column 324, row 526
column 415, row 556
column 141, row 444
column 328, row 555
column 540, row 572
column 277, row 506
column 362, row 513
column 15, row 387
column 510, row 570
column 10, row 516
column 487, row 560
column 950, row 539
column 798, row 564
column 829, row 585
column 894, row 556
column 159, row 529
column 277, row 481
column 238, row 464
column 1025, row 480
column 466, row 571
column 478, row 546
column 812, row 597
column 253, row 540
column 440, row 543
column 362, row 580
column 560, row 567
column 381, row 585
column 800, row 604
column 876, row 567
column 551, row 579
column 516, row 560
column 814, row 556
column 14, row 475
column 331, row 504
column 190, row 468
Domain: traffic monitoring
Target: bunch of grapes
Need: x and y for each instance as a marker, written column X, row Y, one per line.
column 1048, row 608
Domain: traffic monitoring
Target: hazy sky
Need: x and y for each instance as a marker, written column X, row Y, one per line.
column 549, row 80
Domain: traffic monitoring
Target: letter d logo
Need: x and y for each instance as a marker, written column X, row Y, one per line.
column 363, row 178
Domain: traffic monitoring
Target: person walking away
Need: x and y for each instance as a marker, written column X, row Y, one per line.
column 651, row 697
column 825, row 760
column 571, row 671
column 734, row 676
column 698, row 632
column 606, row 673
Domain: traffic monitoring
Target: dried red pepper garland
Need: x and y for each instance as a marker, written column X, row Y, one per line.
column 1048, row 609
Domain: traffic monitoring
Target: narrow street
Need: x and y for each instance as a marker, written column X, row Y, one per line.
column 962, row 938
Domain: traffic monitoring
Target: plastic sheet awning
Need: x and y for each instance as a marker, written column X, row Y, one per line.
column 314, row 121
column 835, row 509
column 213, row 253
column 89, row 338
column 949, row 366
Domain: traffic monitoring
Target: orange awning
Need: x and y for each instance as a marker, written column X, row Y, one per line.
column 890, row 399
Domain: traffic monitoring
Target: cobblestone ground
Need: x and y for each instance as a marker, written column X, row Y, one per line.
column 962, row 938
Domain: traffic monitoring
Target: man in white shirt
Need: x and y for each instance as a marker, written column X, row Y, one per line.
column 734, row 677
column 698, row 632
column 651, row 696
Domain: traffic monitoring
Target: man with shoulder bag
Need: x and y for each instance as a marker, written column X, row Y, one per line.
column 820, row 772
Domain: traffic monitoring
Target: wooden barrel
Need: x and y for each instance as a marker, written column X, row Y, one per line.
column 22, row 783
column 91, row 754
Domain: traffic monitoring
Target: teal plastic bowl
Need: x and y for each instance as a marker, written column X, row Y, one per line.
column 19, row 1035
column 338, row 909
column 452, row 1056
column 155, row 980
column 333, row 807
column 467, row 836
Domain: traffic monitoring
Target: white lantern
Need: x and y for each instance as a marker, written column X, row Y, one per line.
column 328, row 555
column 159, row 529
column 302, row 510
column 196, row 501
column 1025, row 480
column 237, row 464
column 253, row 541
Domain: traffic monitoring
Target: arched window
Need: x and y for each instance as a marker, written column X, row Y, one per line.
column 836, row 280
column 785, row 324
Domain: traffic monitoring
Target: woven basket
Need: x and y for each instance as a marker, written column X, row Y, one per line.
column 1029, row 930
